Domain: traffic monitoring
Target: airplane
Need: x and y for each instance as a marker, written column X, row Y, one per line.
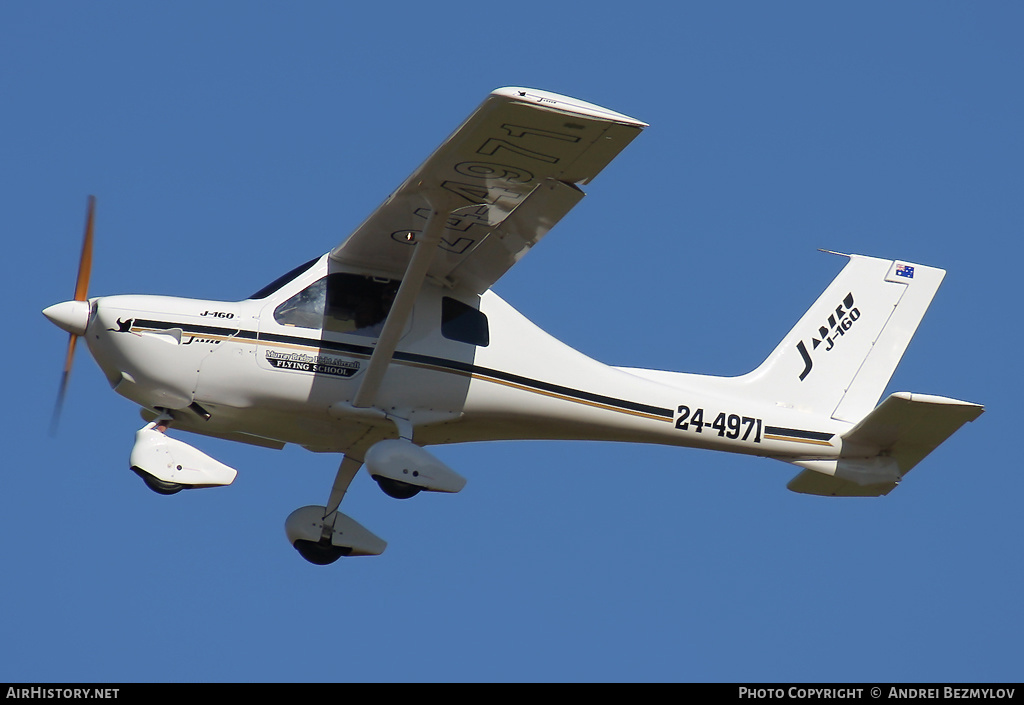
column 395, row 341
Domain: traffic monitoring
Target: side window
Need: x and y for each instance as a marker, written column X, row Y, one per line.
column 343, row 303
column 358, row 304
column 463, row 323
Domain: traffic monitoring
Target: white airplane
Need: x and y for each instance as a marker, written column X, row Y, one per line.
column 394, row 341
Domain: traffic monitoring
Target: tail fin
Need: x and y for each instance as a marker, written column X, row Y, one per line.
column 841, row 354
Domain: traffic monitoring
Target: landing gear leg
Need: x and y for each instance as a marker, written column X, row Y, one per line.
column 346, row 472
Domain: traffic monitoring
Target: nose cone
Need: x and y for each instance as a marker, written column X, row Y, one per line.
column 72, row 316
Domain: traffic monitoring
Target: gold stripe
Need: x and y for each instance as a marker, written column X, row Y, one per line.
column 484, row 378
column 421, row 365
column 513, row 385
column 165, row 331
column 793, row 439
column 585, row 402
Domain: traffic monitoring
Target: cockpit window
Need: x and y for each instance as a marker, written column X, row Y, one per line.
column 284, row 279
column 305, row 309
column 343, row 303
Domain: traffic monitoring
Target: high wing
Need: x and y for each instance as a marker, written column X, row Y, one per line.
column 504, row 178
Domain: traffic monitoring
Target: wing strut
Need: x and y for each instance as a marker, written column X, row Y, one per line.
column 426, row 247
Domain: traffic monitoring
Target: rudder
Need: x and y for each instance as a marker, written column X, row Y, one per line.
column 842, row 353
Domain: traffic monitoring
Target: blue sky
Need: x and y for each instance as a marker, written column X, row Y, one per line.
column 227, row 142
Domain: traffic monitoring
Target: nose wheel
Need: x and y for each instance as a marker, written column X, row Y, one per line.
column 168, row 466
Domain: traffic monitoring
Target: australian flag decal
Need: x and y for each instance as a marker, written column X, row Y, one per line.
column 904, row 270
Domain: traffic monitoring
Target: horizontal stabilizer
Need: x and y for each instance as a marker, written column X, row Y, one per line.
column 814, row 482
column 892, row 439
column 907, row 427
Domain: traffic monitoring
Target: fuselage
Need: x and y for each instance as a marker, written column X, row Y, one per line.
column 284, row 368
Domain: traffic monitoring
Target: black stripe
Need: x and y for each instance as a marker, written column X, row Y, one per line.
column 453, row 365
column 536, row 384
column 190, row 329
column 317, row 343
column 799, row 433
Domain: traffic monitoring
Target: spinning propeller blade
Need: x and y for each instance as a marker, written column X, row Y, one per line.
column 81, row 294
column 85, row 261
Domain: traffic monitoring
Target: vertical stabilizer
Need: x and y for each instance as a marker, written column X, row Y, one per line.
column 841, row 354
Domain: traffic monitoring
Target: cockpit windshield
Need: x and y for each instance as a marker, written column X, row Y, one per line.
column 284, row 279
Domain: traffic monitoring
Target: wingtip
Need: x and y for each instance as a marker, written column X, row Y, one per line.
column 565, row 103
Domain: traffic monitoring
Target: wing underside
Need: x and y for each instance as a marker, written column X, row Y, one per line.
column 504, row 178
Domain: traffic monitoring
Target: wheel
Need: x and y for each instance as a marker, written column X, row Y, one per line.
column 157, row 485
column 320, row 552
column 396, row 488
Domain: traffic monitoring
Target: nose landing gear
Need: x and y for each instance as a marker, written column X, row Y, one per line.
column 168, row 465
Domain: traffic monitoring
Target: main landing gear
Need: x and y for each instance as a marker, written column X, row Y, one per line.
column 322, row 535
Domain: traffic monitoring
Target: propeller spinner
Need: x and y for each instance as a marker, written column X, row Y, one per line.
column 73, row 316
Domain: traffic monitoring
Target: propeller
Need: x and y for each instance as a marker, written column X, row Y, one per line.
column 73, row 316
